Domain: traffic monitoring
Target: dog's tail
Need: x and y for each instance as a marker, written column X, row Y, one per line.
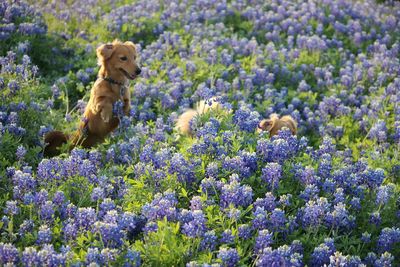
column 54, row 140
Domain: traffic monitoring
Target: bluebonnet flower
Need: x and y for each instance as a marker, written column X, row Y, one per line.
column 366, row 237
column 271, row 174
column 378, row 131
column 340, row 217
column 59, row 198
column 277, row 220
column 388, row 238
column 108, row 256
column 263, row 240
column 47, row 211
column 282, row 256
column 182, row 168
column 44, row 235
column 93, row 256
column 321, row 254
column 26, row 227
column 197, row 226
column 236, row 165
column 106, row 205
column 85, row 218
column 268, row 203
column 30, row 257
column 212, row 169
column 209, row 240
column 110, row 233
column 227, row 237
column 314, row 212
column 386, row 259
column 228, row 256
column 97, row 194
column 163, row 205
column 196, row 203
column 246, row 119
column 375, row 218
column 338, row 259
column 235, row 194
column 355, row 203
column 244, row 231
column 8, row 254
column 339, row 196
column 310, row 192
column 373, row 178
column 307, row 176
column 384, row 193
column 233, row 213
column 132, row 258
column 21, row 152
column 11, row 208
column 70, row 231
column 260, row 220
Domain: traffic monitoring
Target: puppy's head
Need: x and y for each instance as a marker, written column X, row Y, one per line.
column 119, row 59
column 266, row 125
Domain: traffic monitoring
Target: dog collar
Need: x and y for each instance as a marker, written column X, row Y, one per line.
column 111, row 80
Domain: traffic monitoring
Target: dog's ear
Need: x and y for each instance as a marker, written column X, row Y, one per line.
column 104, row 52
column 130, row 44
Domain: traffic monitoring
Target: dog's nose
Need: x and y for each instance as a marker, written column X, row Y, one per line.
column 138, row 71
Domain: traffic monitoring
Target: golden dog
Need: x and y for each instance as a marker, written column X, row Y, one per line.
column 117, row 64
column 274, row 124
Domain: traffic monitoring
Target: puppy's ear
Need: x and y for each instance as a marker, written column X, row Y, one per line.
column 130, row 44
column 104, row 52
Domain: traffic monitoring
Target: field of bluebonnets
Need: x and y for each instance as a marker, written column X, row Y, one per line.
column 226, row 196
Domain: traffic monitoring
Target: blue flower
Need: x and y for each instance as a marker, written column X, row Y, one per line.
column 228, row 256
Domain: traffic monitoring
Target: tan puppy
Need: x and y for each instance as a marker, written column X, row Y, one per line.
column 274, row 124
column 183, row 122
column 117, row 64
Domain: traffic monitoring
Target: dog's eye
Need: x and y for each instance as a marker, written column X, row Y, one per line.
column 123, row 58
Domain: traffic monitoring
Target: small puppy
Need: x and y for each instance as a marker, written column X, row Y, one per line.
column 202, row 107
column 274, row 124
column 117, row 64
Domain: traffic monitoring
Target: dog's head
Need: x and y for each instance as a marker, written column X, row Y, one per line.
column 266, row 125
column 118, row 59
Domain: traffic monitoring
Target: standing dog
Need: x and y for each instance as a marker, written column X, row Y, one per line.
column 117, row 64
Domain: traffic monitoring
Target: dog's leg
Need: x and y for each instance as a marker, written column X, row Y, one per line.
column 127, row 102
column 104, row 106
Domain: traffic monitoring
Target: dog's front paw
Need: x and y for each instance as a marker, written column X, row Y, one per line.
column 106, row 115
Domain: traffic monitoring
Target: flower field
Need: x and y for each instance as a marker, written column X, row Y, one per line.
column 226, row 196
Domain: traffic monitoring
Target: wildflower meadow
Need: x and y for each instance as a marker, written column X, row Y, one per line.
column 227, row 195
